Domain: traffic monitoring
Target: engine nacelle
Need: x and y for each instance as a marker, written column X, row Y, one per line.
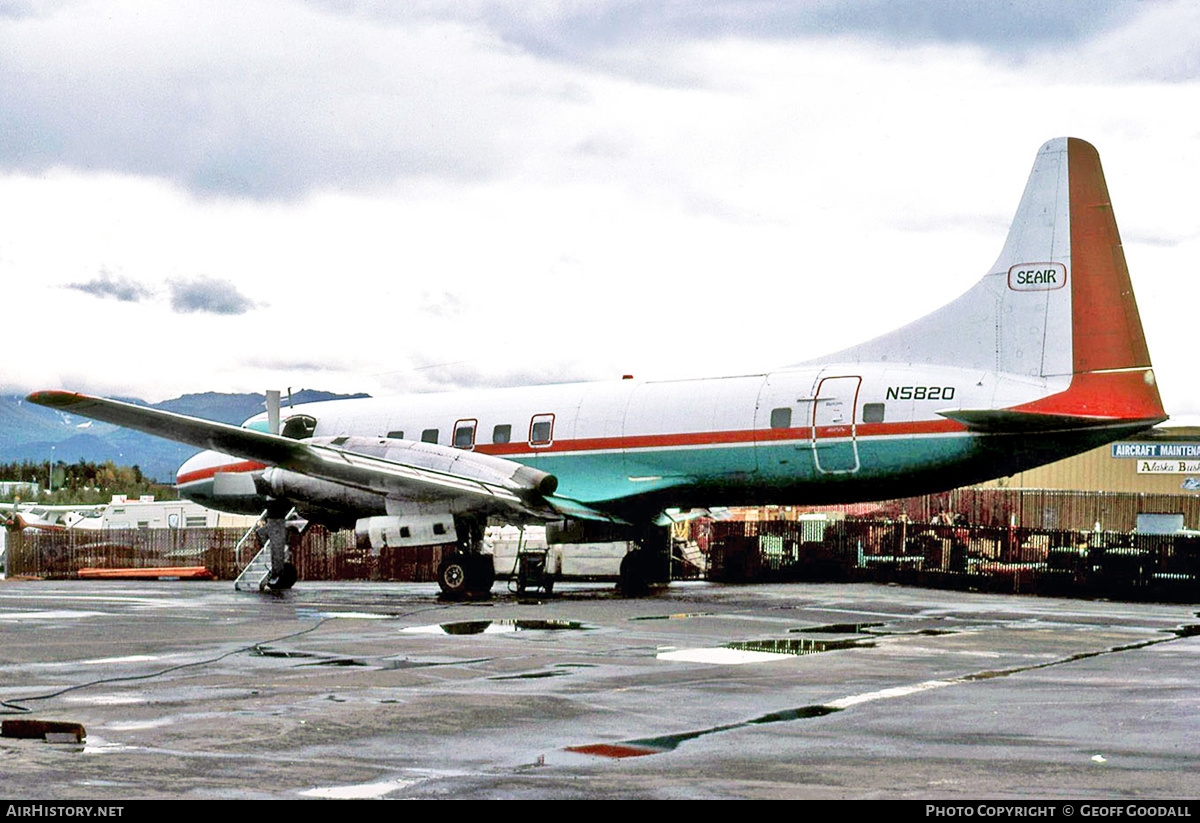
column 414, row 530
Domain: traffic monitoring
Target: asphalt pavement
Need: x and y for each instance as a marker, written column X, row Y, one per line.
column 192, row 690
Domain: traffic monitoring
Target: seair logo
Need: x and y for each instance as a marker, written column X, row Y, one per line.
column 1037, row 276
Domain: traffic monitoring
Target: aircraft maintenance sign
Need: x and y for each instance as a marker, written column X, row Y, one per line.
column 1186, row 451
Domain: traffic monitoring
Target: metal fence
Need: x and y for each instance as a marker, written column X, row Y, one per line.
column 62, row 554
column 1016, row 558
column 988, row 558
column 318, row 555
column 1031, row 508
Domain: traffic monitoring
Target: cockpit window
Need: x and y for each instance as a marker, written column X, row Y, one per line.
column 299, row 427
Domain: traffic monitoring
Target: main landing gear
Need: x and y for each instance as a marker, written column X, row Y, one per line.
column 646, row 565
column 464, row 575
column 467, row 572
column 271, row 569
column 283, row 573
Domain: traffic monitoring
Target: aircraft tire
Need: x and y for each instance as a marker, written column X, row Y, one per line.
column 454, row 575
column 633, row 581
column 286, row 579
column 483, row 573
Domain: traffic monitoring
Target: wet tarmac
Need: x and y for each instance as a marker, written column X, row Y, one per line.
column 191, row 690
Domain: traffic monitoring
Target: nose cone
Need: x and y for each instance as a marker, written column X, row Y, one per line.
column 222, row 482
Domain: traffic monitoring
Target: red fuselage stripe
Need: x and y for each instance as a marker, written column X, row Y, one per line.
column 211, row 471
column 661, row 441
column 657, row 441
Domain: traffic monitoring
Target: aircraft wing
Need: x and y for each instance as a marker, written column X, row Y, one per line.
column 460, row 477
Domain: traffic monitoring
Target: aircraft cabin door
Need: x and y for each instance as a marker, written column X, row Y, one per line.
column 834, row 433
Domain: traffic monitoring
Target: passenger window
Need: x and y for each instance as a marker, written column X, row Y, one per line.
column 781, row 418
column 541, row 430
column 429, row 436
column 396, row 435
column 872, row 412
column 464, row 434
column 502, row 433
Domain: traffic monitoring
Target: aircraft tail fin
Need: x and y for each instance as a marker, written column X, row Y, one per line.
column 1056, row 307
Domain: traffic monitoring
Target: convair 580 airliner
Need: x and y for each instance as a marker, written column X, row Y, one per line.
column 1043, row 358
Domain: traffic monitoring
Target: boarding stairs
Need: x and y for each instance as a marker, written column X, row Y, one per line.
column 689, row 554
column 254, row 577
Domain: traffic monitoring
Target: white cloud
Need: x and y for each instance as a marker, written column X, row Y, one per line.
column 395, row 190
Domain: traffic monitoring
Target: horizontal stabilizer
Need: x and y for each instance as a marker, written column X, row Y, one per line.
column 1009, row 421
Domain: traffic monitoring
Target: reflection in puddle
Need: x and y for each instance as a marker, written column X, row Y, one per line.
column 718, row 656
column 138, row 725
column 871, row 629
column 839, row 628
column 263, row 651
column 666, row 743
column 670, row 742
column 363, row 791
column 800, row 645
column 95, row 745
column 682, row 616
column 499, row 627
column 760, row 651
column 306, row 614
column 531, row 675
column 106, row 699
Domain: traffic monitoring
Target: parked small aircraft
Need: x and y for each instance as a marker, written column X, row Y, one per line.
column 52, row 518
column 1043, row 358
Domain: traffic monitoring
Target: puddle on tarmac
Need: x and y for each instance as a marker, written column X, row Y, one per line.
column 800, row 645
column 106, row 699
column 642, row 747
column 362, row 791
column 499, row 627
column 684, row 616
column 310, row 614
column 138, row 725
column 840, row 628
column 668, row 743
column 531, row 675
column 873, row 629
column 263, row 651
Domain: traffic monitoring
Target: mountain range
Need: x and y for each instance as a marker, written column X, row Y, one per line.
column 35, row 433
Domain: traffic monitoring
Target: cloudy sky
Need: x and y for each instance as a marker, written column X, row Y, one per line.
column 383, row 197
